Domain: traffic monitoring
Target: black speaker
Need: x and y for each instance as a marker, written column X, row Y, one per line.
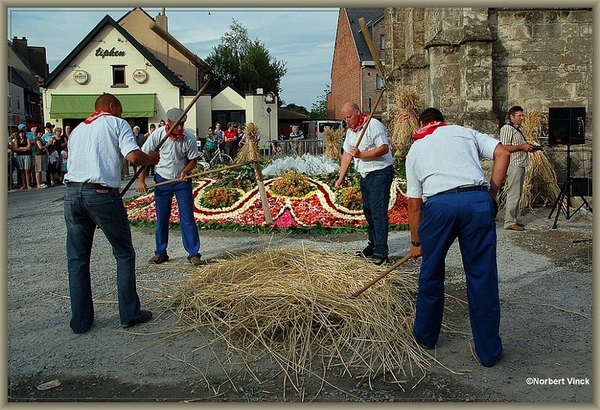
column 566, row 125
column 581, row 186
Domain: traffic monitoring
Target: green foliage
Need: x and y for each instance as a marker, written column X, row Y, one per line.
column 245, row 64
column 297, row 108
column 319, row 107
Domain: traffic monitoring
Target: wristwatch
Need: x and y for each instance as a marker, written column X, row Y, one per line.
column 415, row 243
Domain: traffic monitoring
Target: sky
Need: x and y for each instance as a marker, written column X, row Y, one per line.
column 302, row 38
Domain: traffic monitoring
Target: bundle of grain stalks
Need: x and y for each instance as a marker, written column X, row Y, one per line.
column 540, row 186
column 293, row 307
column 405, row 122
column 333, row 139
column 249, row 151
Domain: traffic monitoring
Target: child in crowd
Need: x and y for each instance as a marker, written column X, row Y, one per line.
column 52, row 164
column 64, row 155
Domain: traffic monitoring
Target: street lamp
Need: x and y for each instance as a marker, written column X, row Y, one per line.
column 269, row 114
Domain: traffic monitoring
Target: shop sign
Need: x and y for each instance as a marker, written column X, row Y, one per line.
column 81, row 76
column 101, row 52
column 140, row 76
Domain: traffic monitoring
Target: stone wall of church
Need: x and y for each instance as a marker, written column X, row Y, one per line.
column 475, row 63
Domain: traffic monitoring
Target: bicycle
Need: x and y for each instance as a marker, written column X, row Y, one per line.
column 219, row 159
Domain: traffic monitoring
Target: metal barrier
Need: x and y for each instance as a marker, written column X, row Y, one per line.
column 297, row 147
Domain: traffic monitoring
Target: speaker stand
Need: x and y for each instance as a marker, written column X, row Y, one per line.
column 565, row 195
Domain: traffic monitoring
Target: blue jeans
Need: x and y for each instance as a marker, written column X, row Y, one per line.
column 468, row 216
column 84, row 210
column 375, row 189
column 163, row 196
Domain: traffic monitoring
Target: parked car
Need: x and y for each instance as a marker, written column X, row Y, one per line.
column 315, row 129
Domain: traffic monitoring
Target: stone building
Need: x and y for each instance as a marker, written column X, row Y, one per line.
column 475, row 63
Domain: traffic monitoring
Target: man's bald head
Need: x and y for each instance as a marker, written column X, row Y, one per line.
column 110, row 103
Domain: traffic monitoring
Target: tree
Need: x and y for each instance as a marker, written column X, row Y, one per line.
column 297, row 108
column 319, row 107
column 245, row 64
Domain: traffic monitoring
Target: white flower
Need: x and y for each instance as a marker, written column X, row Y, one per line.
column 306, row 164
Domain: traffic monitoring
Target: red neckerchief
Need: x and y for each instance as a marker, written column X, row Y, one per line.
column 428, row 129
column 362, row 118
column 96, row 115
column 174, row 137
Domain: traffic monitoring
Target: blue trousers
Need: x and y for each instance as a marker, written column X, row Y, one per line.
column 468, row 216
column 84, row 209
column 375, row 190
column 163, row 196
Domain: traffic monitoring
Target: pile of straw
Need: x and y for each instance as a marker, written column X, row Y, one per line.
column 333, row 141
column 540, row 186
column 404, row 124
column 249, row 151
column 293, row 306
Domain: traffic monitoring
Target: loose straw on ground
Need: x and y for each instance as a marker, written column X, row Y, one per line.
column 292, row 306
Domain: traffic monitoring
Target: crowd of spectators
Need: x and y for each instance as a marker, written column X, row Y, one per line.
column 37, row 158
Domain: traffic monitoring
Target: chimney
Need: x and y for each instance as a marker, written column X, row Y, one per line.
column 161, row 21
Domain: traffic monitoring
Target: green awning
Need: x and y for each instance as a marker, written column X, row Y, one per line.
column 81, row 105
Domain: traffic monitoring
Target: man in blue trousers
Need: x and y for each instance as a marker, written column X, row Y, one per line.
column 178, row 157
column 450, row 198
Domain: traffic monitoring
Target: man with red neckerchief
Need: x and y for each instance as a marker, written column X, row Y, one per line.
column 449, row 198
column 178, row 157
column 373, row 160
column 97, row 147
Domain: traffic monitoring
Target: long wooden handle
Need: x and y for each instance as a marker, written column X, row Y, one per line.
column 371, row 45
column 377, row 61
column 162, row 141
column 364, row 128
column 199, row 174
column 378, row 278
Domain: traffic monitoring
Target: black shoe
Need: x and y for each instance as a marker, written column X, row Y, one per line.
column 365, row 253
column 378, row 260
column 145, row 316
column 492, row 364
column 421, row 344
column 158, row 258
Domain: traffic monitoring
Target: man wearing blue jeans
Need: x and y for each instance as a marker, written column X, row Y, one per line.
column 373, row 160
column 97, row 147
column 178, row 157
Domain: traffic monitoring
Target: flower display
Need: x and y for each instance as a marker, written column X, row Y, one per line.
column 292, row 184
column 350, row 197
column 309, row 203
